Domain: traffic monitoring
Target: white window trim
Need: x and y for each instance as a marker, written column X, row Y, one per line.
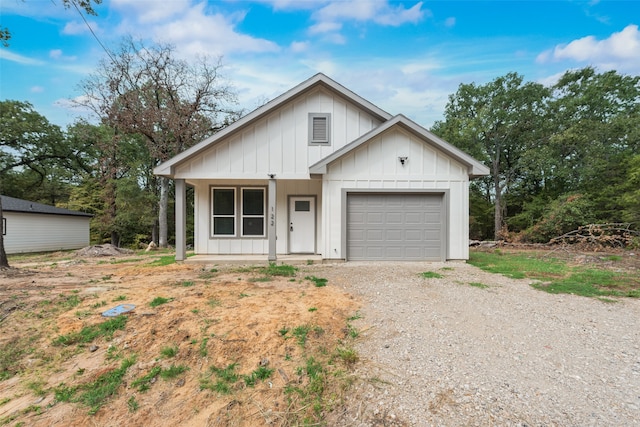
column 238, row 216
column 327, row 140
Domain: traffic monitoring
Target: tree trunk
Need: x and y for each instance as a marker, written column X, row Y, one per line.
column 4, row 261
column 499, row 209
column 163, row 208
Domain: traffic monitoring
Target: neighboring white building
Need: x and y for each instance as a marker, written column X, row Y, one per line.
column 320, row 170
column 35, row 227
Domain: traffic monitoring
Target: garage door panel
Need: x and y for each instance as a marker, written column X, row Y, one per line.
column 395, row 226
column 376, row 235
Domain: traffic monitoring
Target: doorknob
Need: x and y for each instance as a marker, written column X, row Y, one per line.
column 291, row 227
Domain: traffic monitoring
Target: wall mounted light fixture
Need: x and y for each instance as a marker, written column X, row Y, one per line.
column 403, row 160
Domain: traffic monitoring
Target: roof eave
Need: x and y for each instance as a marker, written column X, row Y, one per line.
column 167, row 168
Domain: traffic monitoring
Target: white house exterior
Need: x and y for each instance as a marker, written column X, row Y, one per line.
column 320, row 170
column 35, row 227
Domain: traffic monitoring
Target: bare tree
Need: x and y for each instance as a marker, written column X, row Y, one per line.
column 172, row 103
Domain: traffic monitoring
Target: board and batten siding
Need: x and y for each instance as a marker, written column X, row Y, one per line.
column 278, row 142
column 204, row 243
column 375, row 166
column 33, row 232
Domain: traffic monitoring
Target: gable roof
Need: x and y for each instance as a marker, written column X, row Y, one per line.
column 319, row 80
column 475, row 168
column 11, row 204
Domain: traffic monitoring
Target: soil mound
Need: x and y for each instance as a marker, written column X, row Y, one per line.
column 102, row 250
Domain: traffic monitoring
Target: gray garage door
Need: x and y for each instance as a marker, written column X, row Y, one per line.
column 395, row 227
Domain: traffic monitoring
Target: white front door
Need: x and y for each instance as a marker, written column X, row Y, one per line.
column 302, row 225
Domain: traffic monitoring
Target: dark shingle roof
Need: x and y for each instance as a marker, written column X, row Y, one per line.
column 11, row 204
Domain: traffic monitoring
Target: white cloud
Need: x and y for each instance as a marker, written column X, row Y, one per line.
column 450, row 22
column 192, row 29
column 298, row 47
column 324, row 27
column 13, row 57
column 330, row 18
column 36, row 89
column 150, row 11
column 74, row 28
column 620, row 50
column 200, row 33
column 367, row 10
column 58, row 56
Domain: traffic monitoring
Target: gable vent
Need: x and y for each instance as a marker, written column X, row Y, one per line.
column 319, row 128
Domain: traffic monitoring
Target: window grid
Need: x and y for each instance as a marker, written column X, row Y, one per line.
column 247, row 214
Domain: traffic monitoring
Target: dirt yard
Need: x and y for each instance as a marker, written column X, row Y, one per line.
column 247, row 346
column 264, row 327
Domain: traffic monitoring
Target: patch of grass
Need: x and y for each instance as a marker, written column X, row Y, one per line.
column 223, row 383
column 347, row 355
column 5, row 400
column 317, row 281
column 555, row 276
column 163, row 261
column 81, row 314
column 261, row 279
column 169, row 352
column 284, row 331
column 172, row 371
column 518, row 266
column 243, row 295
column 143, row 383
column 119, row 298
column 282, row 270
column 312, row 309
column 69, row 301
column 95, row 394
column 213, row 302
column 186, row 283
column 132, row 404
column 478, row 285
column 203, row 347
column 36, row 387
column 260, row 374
column 89, row 333
column 431, row 275
column 159, row 301
column 99, row 304
column 300, row 333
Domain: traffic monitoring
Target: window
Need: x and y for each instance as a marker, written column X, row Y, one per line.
column 253, row 211
column 248, row 214
column 224, row 212
column 319, row 128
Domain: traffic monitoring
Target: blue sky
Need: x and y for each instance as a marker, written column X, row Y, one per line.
column 404, row 56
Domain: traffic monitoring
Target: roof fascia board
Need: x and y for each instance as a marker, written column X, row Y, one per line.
column 167, row 168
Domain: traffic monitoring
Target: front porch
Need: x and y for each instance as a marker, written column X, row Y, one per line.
column 294, row 259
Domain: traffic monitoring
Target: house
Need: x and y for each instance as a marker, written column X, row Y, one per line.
column 320, row 170
column 35, row 227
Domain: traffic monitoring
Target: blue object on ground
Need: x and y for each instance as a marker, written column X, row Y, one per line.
column 118, row 310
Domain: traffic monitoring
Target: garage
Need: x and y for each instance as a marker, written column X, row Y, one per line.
column 396, row 226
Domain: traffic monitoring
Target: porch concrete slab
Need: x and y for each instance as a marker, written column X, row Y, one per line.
column 296, row 259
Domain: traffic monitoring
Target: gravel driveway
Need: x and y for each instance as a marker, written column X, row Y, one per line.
column 443, row 352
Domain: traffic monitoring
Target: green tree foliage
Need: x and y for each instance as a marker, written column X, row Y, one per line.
column 173, row 104
column 564, row 150
column 36, row 161
column 497, row 123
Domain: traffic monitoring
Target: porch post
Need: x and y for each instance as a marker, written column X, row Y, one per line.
column 181, row 219
column 271, row 208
